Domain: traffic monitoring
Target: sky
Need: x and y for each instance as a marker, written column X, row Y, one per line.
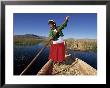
column 79, row 26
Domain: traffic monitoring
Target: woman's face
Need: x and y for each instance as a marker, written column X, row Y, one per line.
column 52, row 26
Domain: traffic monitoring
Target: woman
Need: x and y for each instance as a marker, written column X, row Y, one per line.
column 57, row 49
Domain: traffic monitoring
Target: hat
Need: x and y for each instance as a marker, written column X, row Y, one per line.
column 51, row 22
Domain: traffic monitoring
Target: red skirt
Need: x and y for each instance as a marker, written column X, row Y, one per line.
column 57, row 52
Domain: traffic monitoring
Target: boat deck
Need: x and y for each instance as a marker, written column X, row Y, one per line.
column 68, row 67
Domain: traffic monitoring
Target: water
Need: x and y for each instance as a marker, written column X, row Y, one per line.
column 88, row 57
column 23, row 55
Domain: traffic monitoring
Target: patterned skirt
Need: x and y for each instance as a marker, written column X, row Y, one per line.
column 57, row 52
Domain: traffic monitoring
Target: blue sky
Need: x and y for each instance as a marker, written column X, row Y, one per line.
column 80, row 25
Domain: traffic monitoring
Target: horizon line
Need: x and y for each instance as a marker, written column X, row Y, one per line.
column 63, row 37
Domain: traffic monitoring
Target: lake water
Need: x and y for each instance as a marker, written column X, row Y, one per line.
column 23, row 55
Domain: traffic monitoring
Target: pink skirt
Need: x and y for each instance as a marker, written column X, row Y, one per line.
column 57, row 52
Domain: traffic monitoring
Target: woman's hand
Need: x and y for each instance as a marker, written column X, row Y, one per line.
column 67, row 17
column 50, row 38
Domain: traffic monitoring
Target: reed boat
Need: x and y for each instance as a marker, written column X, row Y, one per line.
column 70, row 66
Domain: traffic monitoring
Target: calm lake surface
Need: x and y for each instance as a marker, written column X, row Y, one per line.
column 23, row 55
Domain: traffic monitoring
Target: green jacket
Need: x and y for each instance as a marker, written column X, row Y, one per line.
column 52, row 33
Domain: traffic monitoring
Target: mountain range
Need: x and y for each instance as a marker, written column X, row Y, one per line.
column 29, row 36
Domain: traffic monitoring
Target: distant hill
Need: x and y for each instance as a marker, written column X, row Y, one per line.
column 29, row 36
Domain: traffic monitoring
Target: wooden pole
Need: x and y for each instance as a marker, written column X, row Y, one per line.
column 34, row 59
column 39, row 53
